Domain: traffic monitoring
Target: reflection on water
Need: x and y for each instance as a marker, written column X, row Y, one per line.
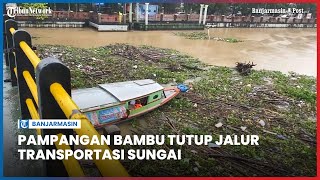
column 273, row 49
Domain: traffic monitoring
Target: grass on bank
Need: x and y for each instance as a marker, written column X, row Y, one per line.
column 280, row 108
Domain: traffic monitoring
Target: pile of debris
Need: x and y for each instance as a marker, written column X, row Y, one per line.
column 139, row 53
column 244, row 68
column 205, row 36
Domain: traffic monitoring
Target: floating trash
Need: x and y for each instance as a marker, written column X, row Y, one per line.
column 194, row 151
column 218, row 125
column 269, row 132
column 262, row 123
column 182, row 87
column 243, row 128
column 281, row 137
column 213, row 145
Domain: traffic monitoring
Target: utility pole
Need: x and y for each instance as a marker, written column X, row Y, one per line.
column 137, row 12
column 124, row 13
column 201, row 9
column 146, row 13
column 130, row 13
column 205, row 14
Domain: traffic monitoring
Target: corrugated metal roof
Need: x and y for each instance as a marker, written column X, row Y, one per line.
column 128, row 90
column 92, row 97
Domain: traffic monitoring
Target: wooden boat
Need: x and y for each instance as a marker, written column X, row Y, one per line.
column 113, row 103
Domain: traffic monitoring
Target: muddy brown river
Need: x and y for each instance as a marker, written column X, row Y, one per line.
column 279, row 49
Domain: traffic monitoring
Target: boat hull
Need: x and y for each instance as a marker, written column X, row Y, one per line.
column 170, row 93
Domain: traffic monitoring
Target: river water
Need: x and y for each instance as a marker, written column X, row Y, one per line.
column 280, row 49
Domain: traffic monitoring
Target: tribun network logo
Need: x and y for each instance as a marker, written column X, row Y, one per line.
column 49, row 124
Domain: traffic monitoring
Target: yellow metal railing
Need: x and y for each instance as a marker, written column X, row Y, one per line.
column 34, row 59
column 29, row 80
column 68, row 106
column 15, row 71
column 32, row 109
column 72, row 165
column 12, row 30
column 33, row 112
column 32, row 85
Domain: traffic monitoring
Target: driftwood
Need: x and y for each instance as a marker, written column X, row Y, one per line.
column 244, row 68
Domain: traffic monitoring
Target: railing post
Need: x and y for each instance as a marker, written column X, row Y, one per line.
column 9, row 54
column 23, row 64
column 50, row 71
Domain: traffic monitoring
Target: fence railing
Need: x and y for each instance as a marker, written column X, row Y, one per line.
column 160, row 17
column 45, row 93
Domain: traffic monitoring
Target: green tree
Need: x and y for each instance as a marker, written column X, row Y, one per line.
column 37, row 6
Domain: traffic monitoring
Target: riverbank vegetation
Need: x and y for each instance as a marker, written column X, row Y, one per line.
column 280, row 108
column 205, row 36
